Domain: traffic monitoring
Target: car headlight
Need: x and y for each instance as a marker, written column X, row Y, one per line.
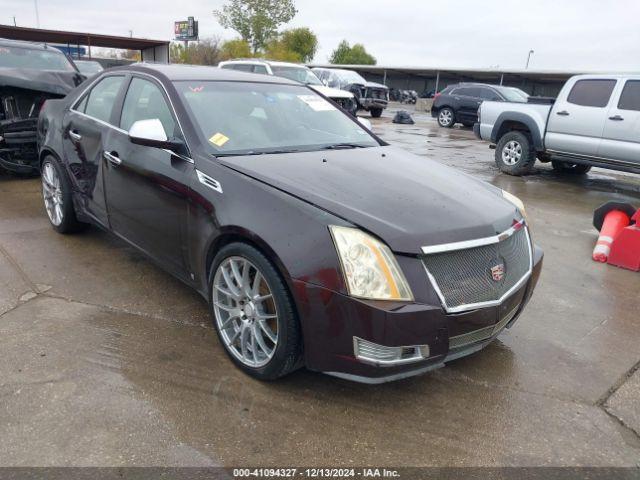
column 517, row 202
column 369, row 267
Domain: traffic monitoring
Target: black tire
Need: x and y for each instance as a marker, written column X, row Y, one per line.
column 570, row 168
column 376, row 112
column 522, row 162
column 288, row 353
column 69, row 222
column 446, row 117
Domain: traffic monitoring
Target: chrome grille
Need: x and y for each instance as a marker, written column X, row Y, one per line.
column 463, row 277
column 482, row 333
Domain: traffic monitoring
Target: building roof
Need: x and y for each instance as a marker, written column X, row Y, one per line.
column 77, row 38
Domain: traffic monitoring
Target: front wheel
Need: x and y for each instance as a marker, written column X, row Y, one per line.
column 253, row 313
column 58, row 201
column 570, row 168
column 515, row 154
column 376, row 112
column 446, row 118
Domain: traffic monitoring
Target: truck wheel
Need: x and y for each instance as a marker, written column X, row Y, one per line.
column 446, row 117
column 514, row 154
column 570, row 168
column 376, row 112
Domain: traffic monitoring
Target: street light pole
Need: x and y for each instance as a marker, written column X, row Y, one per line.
column 37, row 14
column 531, row 52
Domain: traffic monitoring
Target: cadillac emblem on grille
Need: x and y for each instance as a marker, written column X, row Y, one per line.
column 497, row 272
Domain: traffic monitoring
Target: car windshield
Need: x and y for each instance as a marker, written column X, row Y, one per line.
column 18, row 57
column 347, row 76
column 298, row 74
column 513, row 94
column 88, row 68
column 238, row 118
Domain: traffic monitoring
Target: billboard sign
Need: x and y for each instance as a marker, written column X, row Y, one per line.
column 186, row 29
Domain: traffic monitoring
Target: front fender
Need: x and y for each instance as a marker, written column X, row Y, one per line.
column 522, row 118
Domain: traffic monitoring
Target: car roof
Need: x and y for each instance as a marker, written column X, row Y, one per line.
column 174, row 72
column 5, row 42
column 263, row 61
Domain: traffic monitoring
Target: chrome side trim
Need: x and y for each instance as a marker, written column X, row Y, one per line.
column 478, row 242
column 207, row 181
column 491, row 303
column 580, row 156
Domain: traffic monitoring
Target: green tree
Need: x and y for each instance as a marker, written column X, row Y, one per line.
column 277, row 50
column 237, row 48
column 302, row 41
column 345, row 54
column 256, row 21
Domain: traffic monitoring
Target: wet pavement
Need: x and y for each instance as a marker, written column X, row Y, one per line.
column 107, row 360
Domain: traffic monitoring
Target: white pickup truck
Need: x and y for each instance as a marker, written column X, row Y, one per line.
column 595, row 121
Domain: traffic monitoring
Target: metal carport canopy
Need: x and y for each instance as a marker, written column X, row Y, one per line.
column 89, row 39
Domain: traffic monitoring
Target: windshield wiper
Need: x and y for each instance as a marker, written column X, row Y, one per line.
column 260, row 152
column 339, row 146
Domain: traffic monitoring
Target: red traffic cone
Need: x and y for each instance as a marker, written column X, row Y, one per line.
column 610, row 219
column 625, row 252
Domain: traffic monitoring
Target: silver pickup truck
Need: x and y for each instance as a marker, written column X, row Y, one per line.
column 595, row 121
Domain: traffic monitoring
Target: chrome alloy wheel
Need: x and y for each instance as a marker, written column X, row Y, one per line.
column 511, row 153
column 445, row 117
column 245, row 311
column 52, row 193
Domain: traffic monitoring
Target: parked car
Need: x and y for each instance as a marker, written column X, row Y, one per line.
column 459, row 103
column 296, row 72
column 370, row 96
column 88, row 67
column 29, row 75
column 295, row 222
column 595, row 121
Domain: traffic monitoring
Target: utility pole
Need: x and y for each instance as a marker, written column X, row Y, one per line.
column 37, row 14
column 531, row 52
column 14, row 21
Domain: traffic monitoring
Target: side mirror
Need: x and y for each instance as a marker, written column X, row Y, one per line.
column 364, row 122
column 150, row 133
column 325, row 82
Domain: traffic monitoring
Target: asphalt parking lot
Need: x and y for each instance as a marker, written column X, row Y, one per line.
column 107, row 360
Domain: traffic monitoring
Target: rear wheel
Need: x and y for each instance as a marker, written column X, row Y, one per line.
column 376, row 112
column 253, row 313
column 515, row 154
column 570, row 168
column 58, row 201
column 446, row 117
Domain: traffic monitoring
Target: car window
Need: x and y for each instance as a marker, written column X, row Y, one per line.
column 243, row 67
column 249, row 118
column 468, row 92
column 260, row 69
column 591, row 93
column 630, row 97
column 82, row 104
column 488, row 94
column 145, row 101
column 102, row 98
column 35, row 59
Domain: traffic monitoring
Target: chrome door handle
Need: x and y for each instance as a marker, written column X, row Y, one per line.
column 112, row 157
column 564, row 113
column 75, row 136
column 617, row 118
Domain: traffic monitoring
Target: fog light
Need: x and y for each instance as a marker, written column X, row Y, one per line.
column 370, row 352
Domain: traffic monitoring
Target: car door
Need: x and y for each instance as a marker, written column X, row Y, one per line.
column 147, row 187
column 621, row 135
column 84, row 128
column 576, row 121
column 468, row 100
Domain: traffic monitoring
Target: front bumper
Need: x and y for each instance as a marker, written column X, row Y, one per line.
column 368, row 103
column 18, row 146
column 330, row 321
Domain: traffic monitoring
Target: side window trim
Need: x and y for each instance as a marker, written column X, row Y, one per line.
column 627, row 82
column 87, row 92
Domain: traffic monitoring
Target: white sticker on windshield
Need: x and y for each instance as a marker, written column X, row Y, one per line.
column 319, row 104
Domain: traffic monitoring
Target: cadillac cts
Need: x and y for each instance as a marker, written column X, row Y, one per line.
column 315, row 243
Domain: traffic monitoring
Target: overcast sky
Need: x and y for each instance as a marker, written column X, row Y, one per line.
column 565, row 34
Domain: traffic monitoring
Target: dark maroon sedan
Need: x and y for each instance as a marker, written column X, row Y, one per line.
column 316, row 243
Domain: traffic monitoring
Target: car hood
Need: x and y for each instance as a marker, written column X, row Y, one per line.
column 48, row 81
column 406, row 200
column 331, row 92
column 375, row 85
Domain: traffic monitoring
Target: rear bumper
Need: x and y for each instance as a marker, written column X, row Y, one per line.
column 330, row 321
column 476, row 130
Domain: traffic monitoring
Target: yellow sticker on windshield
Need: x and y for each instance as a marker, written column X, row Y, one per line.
column 219, row 139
